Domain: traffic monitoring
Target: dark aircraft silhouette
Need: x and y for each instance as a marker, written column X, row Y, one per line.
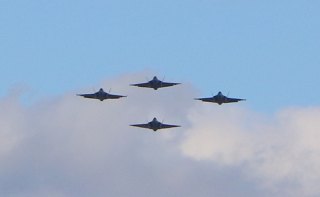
column 155, row 83
column 220, row 99
column 154, row 125
column 101, row 95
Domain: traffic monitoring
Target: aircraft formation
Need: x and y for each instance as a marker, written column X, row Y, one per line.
column 155, row 84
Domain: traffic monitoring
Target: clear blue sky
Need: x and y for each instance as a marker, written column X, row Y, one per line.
column 266, row 51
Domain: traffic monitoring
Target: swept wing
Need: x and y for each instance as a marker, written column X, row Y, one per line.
column 166, row 126
column 113, row 96
column 146, row 126
column 210, row 99
column 167, row 84
column 233, row 100
column 143, row 85
column 92, row 96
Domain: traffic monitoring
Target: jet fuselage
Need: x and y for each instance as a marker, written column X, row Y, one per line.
column 154, row 124
column 155, row 83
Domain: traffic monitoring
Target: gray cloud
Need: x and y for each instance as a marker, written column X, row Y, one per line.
column 70, row 146
column 281, row 151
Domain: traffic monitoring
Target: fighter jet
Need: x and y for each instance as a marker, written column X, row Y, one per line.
column 220, row 99
column 101, row 95
column 155, row 83
column 154, row 125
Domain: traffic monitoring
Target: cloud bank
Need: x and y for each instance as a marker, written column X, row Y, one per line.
column 70, row 146
column 281, row 151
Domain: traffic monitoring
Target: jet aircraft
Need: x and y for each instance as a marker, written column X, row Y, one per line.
column 155, row 83
column 101, row 95
column 155, row 125
column 220, row 99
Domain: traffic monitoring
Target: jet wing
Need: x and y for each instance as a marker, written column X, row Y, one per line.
column 143, row 85
column 210, row 99
column 167, row 84
column 92, row 96
column 113, row 96
column 146, row 126
column 233, row 100
column 166, row 126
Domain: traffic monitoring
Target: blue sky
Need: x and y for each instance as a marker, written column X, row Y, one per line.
column 265, row 51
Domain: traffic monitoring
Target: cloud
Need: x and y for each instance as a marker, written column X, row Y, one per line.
column 71, row 146
column 281, row 151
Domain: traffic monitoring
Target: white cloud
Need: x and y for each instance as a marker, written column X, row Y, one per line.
column 11, row 121
column 71, row 146
column 283, row 151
